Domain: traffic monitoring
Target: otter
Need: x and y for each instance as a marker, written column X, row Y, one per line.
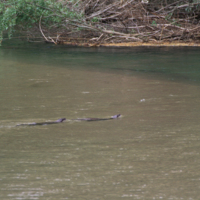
column 63, row 119
column 43, row 123
column 98, row 119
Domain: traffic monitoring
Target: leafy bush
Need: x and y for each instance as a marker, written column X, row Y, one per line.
column 27, row 13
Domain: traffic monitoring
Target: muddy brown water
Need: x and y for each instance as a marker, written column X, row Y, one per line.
column 151, row 152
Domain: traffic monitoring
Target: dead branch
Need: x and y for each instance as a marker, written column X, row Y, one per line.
column 42, row 31
column 164, row 8
column 125, row 21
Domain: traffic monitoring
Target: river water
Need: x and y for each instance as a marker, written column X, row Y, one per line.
column 151, row 152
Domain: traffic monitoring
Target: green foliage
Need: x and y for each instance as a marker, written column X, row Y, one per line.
column 95, row 19
column 188, row 9
column 154, row 23
column 168, row 17
column 175, row 22
column 27, row 13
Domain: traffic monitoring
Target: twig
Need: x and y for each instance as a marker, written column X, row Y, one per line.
column 124, row 5
column 100, row 11
column 168, row 6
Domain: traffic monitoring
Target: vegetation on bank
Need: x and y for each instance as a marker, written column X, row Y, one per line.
column 101, row 21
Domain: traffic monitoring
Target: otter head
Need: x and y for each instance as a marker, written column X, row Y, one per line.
column 61, row 120
column 116, row 116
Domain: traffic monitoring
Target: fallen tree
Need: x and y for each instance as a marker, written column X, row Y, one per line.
column 96, row 22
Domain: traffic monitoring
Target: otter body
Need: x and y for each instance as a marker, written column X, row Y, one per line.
column 43, row 123
column 99, row 119
column 63, row 119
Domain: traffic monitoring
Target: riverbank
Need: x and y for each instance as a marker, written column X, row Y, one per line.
column 156, row 44
column 138, row 44
column 104, row 23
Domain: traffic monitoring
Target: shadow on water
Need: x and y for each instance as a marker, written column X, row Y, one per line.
column 151, row 152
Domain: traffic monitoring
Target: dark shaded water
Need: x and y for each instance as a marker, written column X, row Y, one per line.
column 152, row 152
